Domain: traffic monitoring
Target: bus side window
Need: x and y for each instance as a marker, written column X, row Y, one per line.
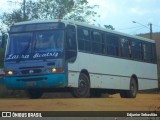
column 83, row 35
column 136, row 50
column 154, row 55
column 112, row 44
column 125, row 51
column 97, row 42
column 71, row 46
column 147, row 52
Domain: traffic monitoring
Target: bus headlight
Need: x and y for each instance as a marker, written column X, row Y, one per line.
column 53, row 70
column 10, row 72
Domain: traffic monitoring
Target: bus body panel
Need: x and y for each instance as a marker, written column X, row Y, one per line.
column 1, row 80
column 115, row 73
column 42, row 77
column 147, row 84
column 73, row 79
column 42, row 81
column 73, row 74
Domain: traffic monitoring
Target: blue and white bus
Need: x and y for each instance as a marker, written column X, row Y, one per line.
column 46, row 55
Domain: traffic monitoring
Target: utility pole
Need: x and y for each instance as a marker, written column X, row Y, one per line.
column 24, row 10
column 150, row 26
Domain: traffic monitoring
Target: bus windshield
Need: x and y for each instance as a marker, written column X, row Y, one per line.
column 19, row 42
column 31, row 43
column 48, row 41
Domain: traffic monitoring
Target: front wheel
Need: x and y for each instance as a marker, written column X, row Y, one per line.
column 83, row 90
column 132, row 92
column 34, row 93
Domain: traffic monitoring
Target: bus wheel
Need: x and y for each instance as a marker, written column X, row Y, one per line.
column 83, row 90
column 132, row 92
column 34, row 93
column 123, row 94
column 133, row 89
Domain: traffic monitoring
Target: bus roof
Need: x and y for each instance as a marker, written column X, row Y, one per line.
column 85, row 25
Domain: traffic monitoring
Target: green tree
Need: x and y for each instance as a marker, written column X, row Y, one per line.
column 110, row 27
column 78, row 10
column 17, row 15
column 51, row 9
column 9, row 18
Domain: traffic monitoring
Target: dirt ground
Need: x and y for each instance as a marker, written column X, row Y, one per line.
column 143, row 102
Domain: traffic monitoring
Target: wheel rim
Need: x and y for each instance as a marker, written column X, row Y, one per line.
column 82, row 87
column 133, row 89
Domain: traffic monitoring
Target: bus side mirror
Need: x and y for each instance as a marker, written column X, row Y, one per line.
column 4, row 38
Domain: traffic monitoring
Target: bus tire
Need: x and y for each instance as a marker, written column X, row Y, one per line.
column 133, row 89
column 123, row 94
column 132, row 92
column 83, row 90
column 34, row 93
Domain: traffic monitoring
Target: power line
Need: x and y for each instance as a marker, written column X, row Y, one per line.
column 137, row 30
column 156, row 25
column 129, row 28
column 150, row 27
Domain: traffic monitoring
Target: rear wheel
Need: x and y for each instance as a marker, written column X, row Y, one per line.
column 83, row 90
column 123, row 94
column 132, row 92
column 34, row 93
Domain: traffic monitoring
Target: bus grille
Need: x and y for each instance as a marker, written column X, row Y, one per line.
column 34, row 71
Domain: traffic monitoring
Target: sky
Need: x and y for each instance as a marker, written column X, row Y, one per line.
column 121, row 13
column 118, row 13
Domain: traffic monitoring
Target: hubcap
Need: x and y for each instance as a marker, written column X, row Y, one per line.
column 82, row 87
column 133, row 89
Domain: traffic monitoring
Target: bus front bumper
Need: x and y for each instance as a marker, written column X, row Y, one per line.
column 1, row 80
column 43, row 81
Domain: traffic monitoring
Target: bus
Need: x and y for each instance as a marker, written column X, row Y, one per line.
column 46, row 55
